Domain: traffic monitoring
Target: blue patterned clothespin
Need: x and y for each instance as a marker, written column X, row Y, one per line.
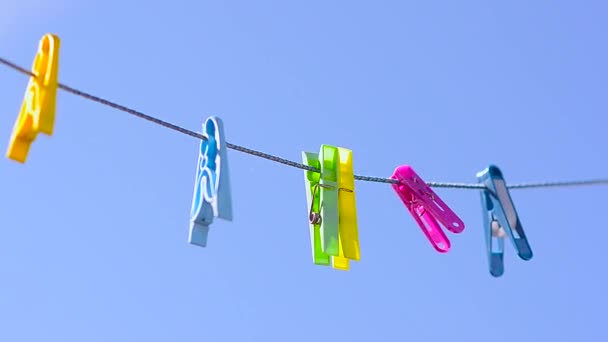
column 212, row 195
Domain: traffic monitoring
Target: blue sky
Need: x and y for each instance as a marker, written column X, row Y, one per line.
column 93, row 228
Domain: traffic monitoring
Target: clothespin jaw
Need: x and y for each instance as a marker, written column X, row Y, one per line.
column 500, row 219
column 426, row 207
column 37, row 113
column 212, row 194
column 330, row 196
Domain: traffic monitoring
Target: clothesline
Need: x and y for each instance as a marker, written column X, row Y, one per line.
column 277, row 159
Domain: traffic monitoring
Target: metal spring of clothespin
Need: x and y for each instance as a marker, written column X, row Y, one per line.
column 315, row 217
column 420, row 209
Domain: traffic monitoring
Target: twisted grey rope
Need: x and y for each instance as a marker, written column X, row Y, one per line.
column 283, row 160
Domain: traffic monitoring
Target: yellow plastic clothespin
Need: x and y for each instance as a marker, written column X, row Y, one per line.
column 348, row 242
column 37, row 112
column 347, row 212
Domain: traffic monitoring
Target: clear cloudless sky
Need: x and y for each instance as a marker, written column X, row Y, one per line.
column 94, row 227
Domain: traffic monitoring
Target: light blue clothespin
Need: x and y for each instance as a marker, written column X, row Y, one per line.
column 212, row 195
column 500, row 219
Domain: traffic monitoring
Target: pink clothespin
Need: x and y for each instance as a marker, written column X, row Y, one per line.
column 426, row 207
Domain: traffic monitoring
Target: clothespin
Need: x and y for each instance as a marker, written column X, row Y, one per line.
column 500, row 219
column 347, row 207
column 313, row 198
column 212, row 194
column 37, row 113
column 426, row 207
column 332, row 207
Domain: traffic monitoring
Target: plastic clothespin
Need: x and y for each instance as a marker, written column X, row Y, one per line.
column 212, row 194
column 347, row 207
column 426, row 207
column 313, row 199
column 500, row 218
column 37, row 113
column 332, row 206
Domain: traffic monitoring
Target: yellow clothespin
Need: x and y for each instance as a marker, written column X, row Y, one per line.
column 37, row 112
column 347, row 212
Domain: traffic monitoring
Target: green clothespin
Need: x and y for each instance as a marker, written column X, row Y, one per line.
column 313, row 198
column 322, row 199
column 332, row 213
column 330, row 160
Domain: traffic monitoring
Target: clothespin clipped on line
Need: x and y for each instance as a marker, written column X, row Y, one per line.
column 426, row 207
column 331, row 206
column 212, row 193
column 37, row 113
column 500, row 218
